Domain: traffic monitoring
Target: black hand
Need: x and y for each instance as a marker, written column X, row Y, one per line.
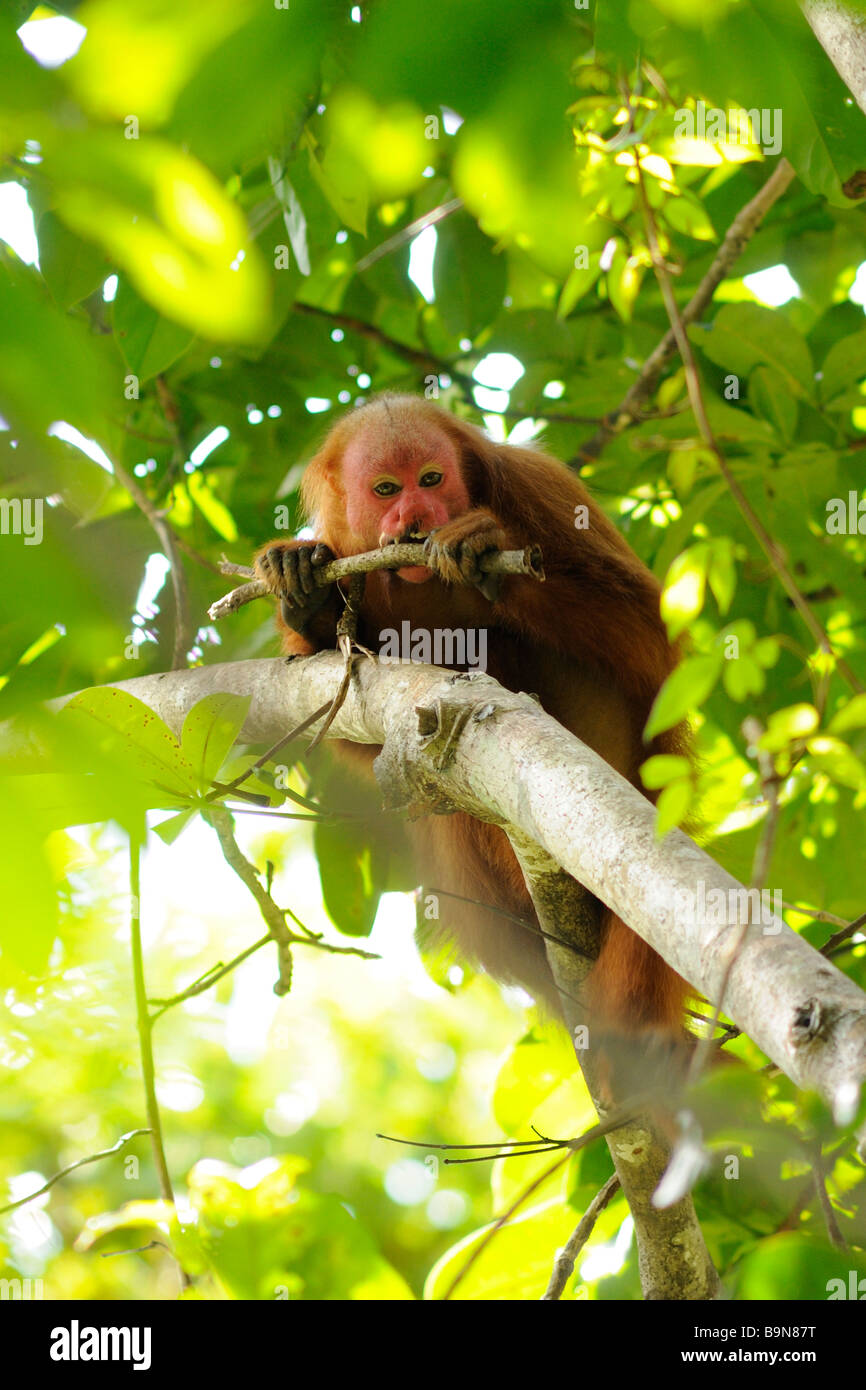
column 290, row 574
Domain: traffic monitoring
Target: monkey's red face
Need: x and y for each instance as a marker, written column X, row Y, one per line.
column 400, row 489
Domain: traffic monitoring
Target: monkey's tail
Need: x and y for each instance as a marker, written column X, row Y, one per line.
column 631, row 988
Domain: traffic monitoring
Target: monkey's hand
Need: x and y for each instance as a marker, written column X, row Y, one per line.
column 455, row 549
column 288, row 568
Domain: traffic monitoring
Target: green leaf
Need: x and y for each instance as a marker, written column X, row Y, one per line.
column 789, row 725
column 682, row 469
column 165, row 220
column 851, row 716
column 469, row 278
column 770, row 397
column 766, row 652
column 149, row 342
column 531, row 1072
column 515, row 1266
column 623, row 283
column 821, row 125
column 685, row 587
column 342, row 183
column 353, row 872
column 170, row 830
column 274, row 1238
column 802, row 1262
column 744, row 336
column 30, row 919
column 673, row 806
column 662, row 768
column 209, row 731
column 54, row 800
column 722, row 572
column 685, row 689
column 687, row 214
column 201, row 490
column 844, row 365
column 835, row 758
column 50, row 366
column 127, row 734
column 742, row 678
column 72, row 268
column 581, row 279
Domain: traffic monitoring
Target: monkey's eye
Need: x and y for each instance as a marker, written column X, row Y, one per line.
column 386, row 488
column 432, row 478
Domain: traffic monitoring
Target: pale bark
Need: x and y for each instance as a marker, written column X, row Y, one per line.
column 465, row 742
column 840, row 28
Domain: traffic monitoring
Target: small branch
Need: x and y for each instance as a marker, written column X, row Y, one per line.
column 144, row 1025
column 770, row 783
column 564, row 1263
column 497, row 1226
column 833, row 1233
column 843, row 935
column 183, row 627
column 79, row 1163
column 743, row 227
column 390, row 557
column 206, row 981
column 407, row 234
column 275, row 748
column 274, row 916
column 416, row 357
column 762, row 536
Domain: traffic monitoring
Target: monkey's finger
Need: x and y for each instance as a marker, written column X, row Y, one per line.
column 444, row 560
column 289, row 585
column 289, row 612
column 322, row 555
column 306, row 579
column 269, row 567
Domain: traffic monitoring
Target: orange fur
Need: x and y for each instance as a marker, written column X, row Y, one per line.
column 589, row 641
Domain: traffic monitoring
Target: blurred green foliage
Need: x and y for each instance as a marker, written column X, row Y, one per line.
column 229, row 167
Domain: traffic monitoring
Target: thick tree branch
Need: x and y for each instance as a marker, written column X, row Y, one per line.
column 463, row 741
column 840, row 28
column 673, row 1259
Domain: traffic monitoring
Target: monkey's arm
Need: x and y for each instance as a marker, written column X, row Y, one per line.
column 598, row 602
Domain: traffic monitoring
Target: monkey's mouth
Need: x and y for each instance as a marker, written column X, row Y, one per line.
column 412, row 574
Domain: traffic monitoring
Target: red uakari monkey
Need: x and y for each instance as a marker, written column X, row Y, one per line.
column 589, row 641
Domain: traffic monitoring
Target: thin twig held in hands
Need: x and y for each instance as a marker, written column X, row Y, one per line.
column 389, row 557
